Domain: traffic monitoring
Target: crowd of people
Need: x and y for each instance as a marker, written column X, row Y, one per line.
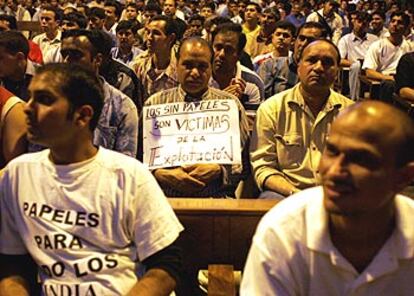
column 76, row 200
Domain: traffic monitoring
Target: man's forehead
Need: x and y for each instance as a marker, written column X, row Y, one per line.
column 310, row 32
column 157, row 24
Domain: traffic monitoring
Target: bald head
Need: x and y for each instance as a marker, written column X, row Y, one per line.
column 382, row 123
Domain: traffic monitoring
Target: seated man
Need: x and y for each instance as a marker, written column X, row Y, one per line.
column 290, row 129
column 352, row 235
column 280, row 73
column 404, row 79
column 282, row 39
column 260, row 42
column 156, row 67
column 228, row 74
column 117, row 128
column 89, row 217
column 126, row 51
column 383, row 55
column 353, row 48
column 201, row 180
column 12, row 127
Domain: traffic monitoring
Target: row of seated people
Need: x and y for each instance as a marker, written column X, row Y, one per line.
column 118, row 129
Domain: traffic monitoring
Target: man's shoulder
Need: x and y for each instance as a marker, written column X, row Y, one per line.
column 117, row 97
column 28, row 160
column 119, row 162
column 250, row 76
column 164, row 96
column 340, row 99
column 279, row 99
column 290, row 213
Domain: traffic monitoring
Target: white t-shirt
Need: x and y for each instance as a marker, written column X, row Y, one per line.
column 383, row 56
column 88, row 224
column 353, row 48
column 292, row 254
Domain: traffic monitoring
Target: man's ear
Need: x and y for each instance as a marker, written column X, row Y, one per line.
column 20, row 55
column 173, row 39
column 405, row 176
column 83, row 115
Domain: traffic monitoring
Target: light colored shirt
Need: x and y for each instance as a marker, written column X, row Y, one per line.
column 288, row 139
column 47, row 44
column 152, row 79
column 354, row 48
column 292, row 254
column 383, row 56
column 256, row 46
column 231, row 174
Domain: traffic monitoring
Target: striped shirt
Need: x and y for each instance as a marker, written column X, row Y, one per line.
column 231, row 174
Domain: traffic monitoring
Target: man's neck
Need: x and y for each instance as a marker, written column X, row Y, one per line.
column 108, row 25
column 69, row 154
column 315, row 99
column 359, row 238
column 223, row 78
column 52, row 34
column 280, row 52
column 125, row 50
column 395, row 39
column 251, row 25
column 360, row 34
column 162, row 60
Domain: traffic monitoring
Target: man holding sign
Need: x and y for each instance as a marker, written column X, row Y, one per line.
column 191, row 170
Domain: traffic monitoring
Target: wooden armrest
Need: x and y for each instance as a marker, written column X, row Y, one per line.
column 32, row 26
column 221, row 280
column 369, row 81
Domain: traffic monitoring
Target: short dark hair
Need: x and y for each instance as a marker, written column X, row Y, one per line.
column 153, row 6
column 314, row 25
column 96, row 12
column 57, row 12
column 273, row 11
column 363, row 16
column 195, row 39
column 10, row 19
column 79, row 85
column 170, row 26
column 133, row 5
column 14, row 42
column 127, row 25
column 101, row 42
column 338, row 55
column 258, row 7
column 77, row 18
column 405, row 17
column 231, row 27
column 116, row 4
column 287, row 26
column 381, row 13
column 196, row 17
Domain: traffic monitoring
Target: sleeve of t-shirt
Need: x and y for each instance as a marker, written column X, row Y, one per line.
column 404, row 77
column 10, row 241
column 154, row 223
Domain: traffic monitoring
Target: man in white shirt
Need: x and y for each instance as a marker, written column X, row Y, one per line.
column 90, row 218
column 353, row 48
column 49, row 22
column 353, row 235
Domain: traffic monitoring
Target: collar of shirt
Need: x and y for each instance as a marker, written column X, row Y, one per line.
column 190, row 98
column 54, row 40
column 298, row 99
column 356, row 38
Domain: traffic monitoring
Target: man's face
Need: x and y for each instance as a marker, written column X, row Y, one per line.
column 48, row 21
column 282, row 39
column 131, row 13
column 226, row 54
column 157, row 39
column 377, row 23
column 194, row 68
column 9, row 63
column 169, row 7
column 196, row 26
column 233, row 8
column 268, row 22
column 69, row 25
column 357, row 169
column 206, row 12
column 360, row 26
column 305, row 36
column 47, row 112
column 11, row 5
column 96, row 23
column 328, row 8
column 148, row 15
column 296, row 9
column 78, row 50
column 126, row 38
column 110, row 14
column 318, row 66
column 396, row 25
column 251, row 13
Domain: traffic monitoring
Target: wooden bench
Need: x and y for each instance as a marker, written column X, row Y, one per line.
column 217, row 231
column 370, row 88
